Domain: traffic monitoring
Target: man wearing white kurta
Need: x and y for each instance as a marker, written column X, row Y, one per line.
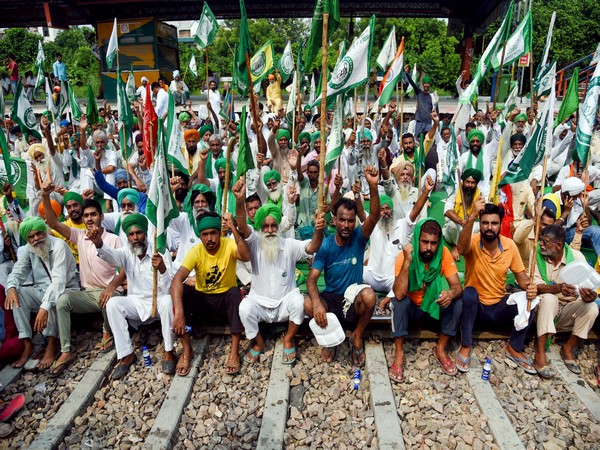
column 274, row 296
column 138, row 260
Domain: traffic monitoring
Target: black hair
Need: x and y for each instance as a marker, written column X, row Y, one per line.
column 470, row 125
column 312, row 163
column 408, row 135
column 490, row 208
column 432, row 227
column 549, row 213
column 555, row 232
column 91, row 203
column 58, row 54
column 253, row 198
column 347, row 203
column 155, row 85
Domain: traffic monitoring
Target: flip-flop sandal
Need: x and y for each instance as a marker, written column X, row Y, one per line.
column 236, row 370
column 462, row 364
column 396, row 374
column 34, row 360
column 446, row 364
column 288, row 352
column 108, row 344
column 255, row 355
column 184, row 363
column 356, row 353
column 12, row 407
column 123, row 369
column 332, row 351
column 570, row 363
column 522, row 363
column 168, row 367
column 545, row 372
column 57, row 369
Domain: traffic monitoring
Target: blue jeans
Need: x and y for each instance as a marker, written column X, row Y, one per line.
column 473, row 310
column 405, row 310
column 590, row 238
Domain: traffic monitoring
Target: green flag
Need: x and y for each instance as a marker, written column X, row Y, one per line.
column 17, row 177
column 207, row 28
column 174, row 139
column 542, row 82
column 315, row 41
column 570, row 102
column 245, row 161
column 161, row 207
column 536, row 146
column 6, row 158
column 285, row 65
column 262, row 62
column 39, row 66
column 74, row 103
column 587, row 115
column 335, row 141
column 113, row 46
column 91, row 110
column 517, row 45
column 449, row 176
column 125, row 117
column 130, row 86
column 485, row 62
column 23, row 114
column 244, row 47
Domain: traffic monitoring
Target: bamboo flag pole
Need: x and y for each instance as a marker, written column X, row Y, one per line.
column 154, row 280
column 401, row 108
column 227, row 180
column 207, row 89
column 493, row 197
column 323, row 119
column 498, row 75
column 355, row 108
column 259, row 136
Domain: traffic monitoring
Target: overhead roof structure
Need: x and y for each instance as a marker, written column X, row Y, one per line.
column 64, row 13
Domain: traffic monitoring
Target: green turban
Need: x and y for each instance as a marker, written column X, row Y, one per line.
column 130, row 194
column 271, row 174
column 267, row 210
column 366, row 134
column 306, row 107
column 473, row 173
column 386, row 200
column 304, row 135
column 208, row 223
column 47, row 114
column 135, row 220
column 73, row 196
column 205, row 128
column 427, row 80
column 475, row 133
column 220, row 164
column 316, row 135
column 521, row 116
column 184, row 117
column 31, row 223
column 281, row 133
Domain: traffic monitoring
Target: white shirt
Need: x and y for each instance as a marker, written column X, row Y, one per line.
column 270, row 282
column 184, row 238
column 215, row 100
column 386, row 247
column 162, row 103
column 141, row 92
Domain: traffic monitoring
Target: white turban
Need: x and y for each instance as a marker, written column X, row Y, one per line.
column 573, row 186
column 144, row 79
column 99, row 134
column 175, row 73
column 347, row 133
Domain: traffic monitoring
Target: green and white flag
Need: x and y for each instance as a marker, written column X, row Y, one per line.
column 509, row 104
column 63, row 98
column 450, row 175
column 50, row 105
column 388, row 51
column 23, row 115
column 161, row 207
column 544, row 59
column 292, row 104
column 335, row 140
column 538, row 144
column 193, row 67
column 6, row 160
column 74, row 103
column 312, row 95
column 596, row 57
column 392, row 77
column 39, row 65
column 16, row 175
column 485, row 62
column 174, row 139
column 413, row 75
column 353, row 69
column 130, row 86
column 113, row 47
column 543, row 81
column 245, row 161
column 286, row 63
column 207, row 28
column 587, row 115
column 517, row 45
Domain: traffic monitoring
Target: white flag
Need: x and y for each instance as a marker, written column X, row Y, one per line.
column 23, row 114
column 193, row 67
column 50, row 106
column 39, row 65
column 388, row 51
column 113, row 47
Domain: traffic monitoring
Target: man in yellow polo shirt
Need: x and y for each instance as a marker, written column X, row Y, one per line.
column 214, row 261
column 488, row 257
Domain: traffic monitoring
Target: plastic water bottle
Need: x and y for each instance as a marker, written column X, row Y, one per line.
column 146, row 355
column 487, row 368
column 356, row 379
column 187, row 329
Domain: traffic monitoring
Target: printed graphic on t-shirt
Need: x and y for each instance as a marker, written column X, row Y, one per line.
column 213, row 276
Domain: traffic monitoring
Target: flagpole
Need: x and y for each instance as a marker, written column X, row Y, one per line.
column 355, row 108
column 531, row 78
column 495, row 179
column 401, row 108
column 154, row 279
column 538, row 215
column 323, row 113
column 259, row 136
column 497, row 88
column 207, row 90
column 230, row 145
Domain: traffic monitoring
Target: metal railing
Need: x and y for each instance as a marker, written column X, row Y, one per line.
column 565, row 74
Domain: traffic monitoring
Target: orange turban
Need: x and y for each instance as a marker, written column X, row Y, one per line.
column 55, row 207
column 191, row 134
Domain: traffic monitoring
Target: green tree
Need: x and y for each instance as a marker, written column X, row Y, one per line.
column 23, row 44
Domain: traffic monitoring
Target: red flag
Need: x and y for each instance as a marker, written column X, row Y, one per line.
column 150, row 132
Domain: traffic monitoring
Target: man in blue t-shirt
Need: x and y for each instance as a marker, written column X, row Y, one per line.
column 341, row 257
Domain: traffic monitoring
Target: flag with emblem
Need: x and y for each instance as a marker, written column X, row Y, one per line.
column 587, row 117
column 22, row 113
column 39, row 65
column 6, row 158
column 517, row 45
column 262, row 62
column 207, row 28
column 335, row 140
column 285, row 65
column 193, row 67
column 174, row 139
column 130, row 86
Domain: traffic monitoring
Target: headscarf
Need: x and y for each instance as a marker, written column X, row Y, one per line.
column 208, row 223
column 473, row 173
column 267, row 210
column 386, row 200
column 432, row 276
column 130, row 194
column 366, row 133
column 521, row 116
column 206, row 127
column 55, row 207
column 517, row 137
column 190, row 198
column 30, row 224
column 191, row 134
column 541, row 261
column 281, row 133
column 184, row 117
column 427, row 80
column 135, row 220
column 573, row 186
column 46, row 114
column 34, row 148
column 313, row 137
column 99, row 134
column 552, row 202
column 70, row 195
column 271, row 174
column 176, row 73
column 476, row 133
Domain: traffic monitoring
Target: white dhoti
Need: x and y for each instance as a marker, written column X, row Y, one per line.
column 121, row 309
column 253, row 311
column 378, row 282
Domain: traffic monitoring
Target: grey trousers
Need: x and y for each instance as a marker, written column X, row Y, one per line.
column 30, row 300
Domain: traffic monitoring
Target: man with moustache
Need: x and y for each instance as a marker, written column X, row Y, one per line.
column 191, row 138
column 73, row 202
column 401, row 188
column 457, row 209
column 488, row 257
column 99, row 280
column 274, row 296
column 424, row 102
column 217, row 184
column 52, row 267
column 479, row 156
column 138, row 260
column 309, row 200
column 128, row 200
column 275, row 196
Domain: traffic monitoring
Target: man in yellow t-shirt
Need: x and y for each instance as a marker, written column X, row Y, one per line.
column 488, row 257
column 214, row 262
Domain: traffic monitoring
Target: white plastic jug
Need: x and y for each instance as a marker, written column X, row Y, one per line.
column 580, row 274
column 330, row 336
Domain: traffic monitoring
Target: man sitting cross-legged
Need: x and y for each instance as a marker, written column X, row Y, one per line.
column 562, row 307
column 341, row 257
column 274, row 296
column 99, row 279
column 214, row 261
column 138, row 260
column 418, row 293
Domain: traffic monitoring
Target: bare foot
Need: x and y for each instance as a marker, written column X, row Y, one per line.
column 455, row 253
column 328, row 354
column 27, row 351
column 51, row 352
column 232, row 366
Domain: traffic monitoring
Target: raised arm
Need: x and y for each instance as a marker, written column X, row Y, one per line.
column 239, row 190
column 464, row 240
column 242, row 252
column 420, row 203
column 372, row 177
column 317, row 239
column 51, row 218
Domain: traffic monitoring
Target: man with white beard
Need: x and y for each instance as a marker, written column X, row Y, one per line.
column 51, row 264
column 128, row 200
column 274, row 296
column 367, row 156
column 401, row 187
column 139, row 260
column 274, row 196
column 48, row 169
